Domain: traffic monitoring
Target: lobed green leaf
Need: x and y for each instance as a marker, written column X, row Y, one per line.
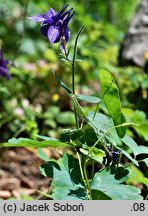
column 134, row 147
column 106, row 182
column 67, row 181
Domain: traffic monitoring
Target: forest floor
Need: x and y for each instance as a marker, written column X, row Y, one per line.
column 20, row 176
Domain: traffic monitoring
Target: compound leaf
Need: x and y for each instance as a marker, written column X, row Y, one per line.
column 67, row 181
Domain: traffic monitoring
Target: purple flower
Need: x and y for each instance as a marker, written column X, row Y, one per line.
column 55, row 25
column 114, row 155
column 4, row 71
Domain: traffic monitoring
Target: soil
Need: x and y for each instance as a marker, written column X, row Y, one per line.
column 20, row 177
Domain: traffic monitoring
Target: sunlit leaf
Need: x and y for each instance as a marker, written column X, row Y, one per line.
column 134, row 147
column 73, row 97
column 72, row 134
column 110, row 95
column 67, row 181
column 95, row 154
column 143, row 180
column 89, row 99
column 136, row 176
column 130, row 157
column 45, row 137
column 66, row 118
column 146, row 161
column 42, row 155
column 106, row 182
column 104, row 123
column 24, row 142
column 62, row 84
column 89, row 136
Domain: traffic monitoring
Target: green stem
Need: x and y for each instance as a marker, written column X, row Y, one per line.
column 73, row 71
column 84, row 174
column 93, row 169
column 86, row 178
column 76, row 118
column 74, row 58
column 80, row 165
column 99, row 140
column 97, row 107
column 104, row 135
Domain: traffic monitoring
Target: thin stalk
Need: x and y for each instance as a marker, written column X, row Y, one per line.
column 80, row 165
column 95, row 111
column 76, row 118
column 104, row 135
column 74, row 58
column 93, row 169
column 73, row 71
column 84, row 174
column 87, row 180
column 101, row 137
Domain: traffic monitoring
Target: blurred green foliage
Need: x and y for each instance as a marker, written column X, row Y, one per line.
column 32, row 102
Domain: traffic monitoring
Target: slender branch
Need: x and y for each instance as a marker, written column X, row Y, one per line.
column 79, row 159
column 86, row 178
column 73, row 71
column 93, row 169
column 97, row 107
column 74, row 58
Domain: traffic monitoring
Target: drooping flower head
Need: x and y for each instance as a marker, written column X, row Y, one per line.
column 55, row 25
column 114, row 155
column 4, row 71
